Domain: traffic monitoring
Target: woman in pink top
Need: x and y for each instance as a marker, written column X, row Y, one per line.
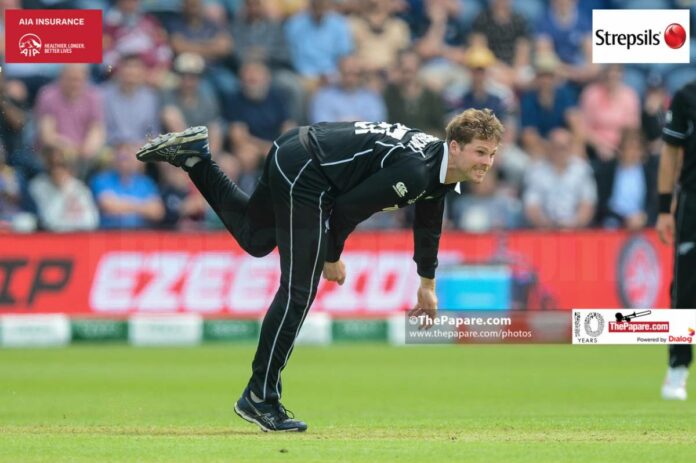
column 608, row 107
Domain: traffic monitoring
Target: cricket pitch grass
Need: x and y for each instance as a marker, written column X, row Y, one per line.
column 363, row 403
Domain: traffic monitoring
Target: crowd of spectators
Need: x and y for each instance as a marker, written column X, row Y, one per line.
column 580, row 147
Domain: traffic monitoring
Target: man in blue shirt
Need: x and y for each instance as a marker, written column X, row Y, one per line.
column 547, row 107
column 568, row 33
column 257, row 106
column 349, row 100
column 257, row 114
column 127, row 199
column 317, row 39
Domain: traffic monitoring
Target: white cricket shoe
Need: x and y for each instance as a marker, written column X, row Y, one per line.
column 674, row 387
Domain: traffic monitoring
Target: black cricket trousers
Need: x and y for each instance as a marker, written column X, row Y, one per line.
column 684, row 276
column 289, row 208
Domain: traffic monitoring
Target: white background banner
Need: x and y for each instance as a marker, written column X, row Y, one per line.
column 629, row 326
column 640, row 36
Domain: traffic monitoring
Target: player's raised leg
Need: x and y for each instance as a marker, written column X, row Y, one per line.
column 248, row 219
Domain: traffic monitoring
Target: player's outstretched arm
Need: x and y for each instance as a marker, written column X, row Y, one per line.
column 427, row 228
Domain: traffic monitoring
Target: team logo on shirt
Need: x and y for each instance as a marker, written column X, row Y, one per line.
column 400, row 189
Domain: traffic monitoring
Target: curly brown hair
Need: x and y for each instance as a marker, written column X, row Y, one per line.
column 474, row 123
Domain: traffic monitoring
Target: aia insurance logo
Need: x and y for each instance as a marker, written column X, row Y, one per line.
column 29, row 45
column 640, row 36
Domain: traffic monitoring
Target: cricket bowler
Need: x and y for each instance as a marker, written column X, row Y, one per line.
column 318, row 183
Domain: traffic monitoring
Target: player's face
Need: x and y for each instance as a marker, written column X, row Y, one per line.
column 474, row 159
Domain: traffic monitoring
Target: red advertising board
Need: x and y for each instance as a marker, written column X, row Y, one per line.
column 124, row 273
column 53, row 36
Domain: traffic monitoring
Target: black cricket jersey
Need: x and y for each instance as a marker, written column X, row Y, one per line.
column 377, row 166
column 679, row 131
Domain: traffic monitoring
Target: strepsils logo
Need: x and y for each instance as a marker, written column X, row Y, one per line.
column 640, row 36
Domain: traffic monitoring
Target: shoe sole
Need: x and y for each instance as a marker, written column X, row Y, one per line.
column 263, row 428
column 177, row 138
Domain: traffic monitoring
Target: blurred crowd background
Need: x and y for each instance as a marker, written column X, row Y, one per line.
column 581, row 143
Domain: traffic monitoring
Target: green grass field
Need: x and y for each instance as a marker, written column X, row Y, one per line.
column 363, row 403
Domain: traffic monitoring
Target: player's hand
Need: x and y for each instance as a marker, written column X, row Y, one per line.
column 426, row 305
column 665, row 228
column 335, row 271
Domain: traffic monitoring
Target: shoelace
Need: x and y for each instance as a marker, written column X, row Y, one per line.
column 285, row 413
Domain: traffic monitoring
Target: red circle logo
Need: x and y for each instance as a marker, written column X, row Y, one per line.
column 675, row 35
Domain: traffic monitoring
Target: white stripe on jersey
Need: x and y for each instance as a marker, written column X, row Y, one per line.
column 360, row 153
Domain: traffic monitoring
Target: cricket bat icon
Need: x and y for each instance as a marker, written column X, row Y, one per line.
column 627, row 318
